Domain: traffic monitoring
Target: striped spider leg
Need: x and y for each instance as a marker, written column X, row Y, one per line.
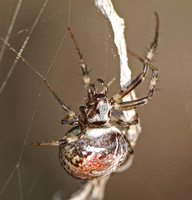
column 118, row 104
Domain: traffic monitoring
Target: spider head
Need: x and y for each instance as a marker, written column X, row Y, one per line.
column 97, row 111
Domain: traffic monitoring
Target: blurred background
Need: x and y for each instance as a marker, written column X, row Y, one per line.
column 163, row 164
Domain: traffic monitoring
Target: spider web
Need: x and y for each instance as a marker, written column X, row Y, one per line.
column 15, row 179
column 35, row 45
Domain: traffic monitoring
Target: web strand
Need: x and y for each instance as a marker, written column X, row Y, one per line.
column 22, row 47
column 19, row 56
column 10, row 29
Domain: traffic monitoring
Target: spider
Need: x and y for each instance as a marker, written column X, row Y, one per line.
column 95, row 146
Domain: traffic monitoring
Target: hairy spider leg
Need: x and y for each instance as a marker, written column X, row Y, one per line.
column 52, row 143
column 141, row 101
column 84, row 69
column 116, row 117
column 134, row 83
column 70, row 114
column 58, row 142
column 91, row 89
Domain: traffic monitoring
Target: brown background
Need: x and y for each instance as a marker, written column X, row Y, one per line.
column 163, row 164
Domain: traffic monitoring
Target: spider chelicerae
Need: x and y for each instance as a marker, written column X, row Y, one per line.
column 95, row 146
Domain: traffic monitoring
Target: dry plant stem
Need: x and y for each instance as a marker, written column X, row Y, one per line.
column 95, row 189
column 117, row 23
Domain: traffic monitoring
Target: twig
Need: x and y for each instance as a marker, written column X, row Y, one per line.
column 95, row 189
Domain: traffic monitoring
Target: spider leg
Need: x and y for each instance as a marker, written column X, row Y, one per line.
column 52, row 143
column 118, row 117
column 70, row 114
column 84, row 69
column 67, row 139
column 134, row 103
column 67, row 120
column 146, row 65
column 136, row 56
column 89, row 87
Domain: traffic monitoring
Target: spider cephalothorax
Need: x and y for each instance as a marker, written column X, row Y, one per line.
column 96, row 112
column 96, row 146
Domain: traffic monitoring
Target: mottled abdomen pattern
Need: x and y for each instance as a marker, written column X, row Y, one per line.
column 97, row 153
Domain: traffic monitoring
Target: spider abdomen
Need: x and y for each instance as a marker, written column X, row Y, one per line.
column 97, row 153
